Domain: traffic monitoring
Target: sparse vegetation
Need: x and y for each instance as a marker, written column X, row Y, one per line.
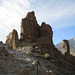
column 48, row 56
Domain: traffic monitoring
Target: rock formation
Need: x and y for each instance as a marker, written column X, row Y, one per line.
column 32, row 32
column 66, row 46
column 12, row 39
column 45, row 41
column 39, row 39
column 46, row 31
column 29, row 28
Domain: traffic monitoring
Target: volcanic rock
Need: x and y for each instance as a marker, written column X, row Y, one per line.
column 32, row 32
column 44, row 42
column 12, row 39
column 46, row 31
column 39, row 39
column 29, row 28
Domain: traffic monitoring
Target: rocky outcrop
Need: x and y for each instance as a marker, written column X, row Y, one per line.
column 46, row 31
column 44, row 42
column 32, row 32
column 29, row 28
column 36, row 41
column 12, row 39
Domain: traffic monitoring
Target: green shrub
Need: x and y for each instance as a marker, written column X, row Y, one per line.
column 48, row 56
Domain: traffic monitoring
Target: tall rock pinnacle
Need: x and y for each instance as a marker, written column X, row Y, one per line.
column 12, row 39
column 29, row 28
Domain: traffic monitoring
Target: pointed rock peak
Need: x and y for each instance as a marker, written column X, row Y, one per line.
column 31, row 15
column 14, row 30
column 44, row 24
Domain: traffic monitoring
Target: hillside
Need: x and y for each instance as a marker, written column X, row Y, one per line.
column 34, row 53
column 72, row 46
column 19, row 62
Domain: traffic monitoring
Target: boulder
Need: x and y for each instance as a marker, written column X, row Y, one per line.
column 12, row 39
column 29, row 28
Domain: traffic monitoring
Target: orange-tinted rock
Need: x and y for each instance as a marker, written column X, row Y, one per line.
column 12, row 38
column 29, row 28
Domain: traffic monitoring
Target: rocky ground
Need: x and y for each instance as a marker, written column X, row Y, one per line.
column 21, row 62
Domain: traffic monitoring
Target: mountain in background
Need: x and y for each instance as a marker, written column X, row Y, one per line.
column 72, row 46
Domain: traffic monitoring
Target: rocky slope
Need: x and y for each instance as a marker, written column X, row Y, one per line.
column 72, row 46
column 20, row 63
column 32, row 32
column 19, row 56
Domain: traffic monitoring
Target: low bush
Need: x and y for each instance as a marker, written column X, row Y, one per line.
column 48, row 56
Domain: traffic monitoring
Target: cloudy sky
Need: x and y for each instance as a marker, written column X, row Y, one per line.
column 60, row 14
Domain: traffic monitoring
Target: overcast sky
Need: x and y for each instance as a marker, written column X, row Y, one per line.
column 60, row 14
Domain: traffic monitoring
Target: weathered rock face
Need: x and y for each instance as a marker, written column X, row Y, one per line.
column 46, row 31
column 33, row 33
column 66, row 46
column 12, row 38
column 45, row 42
column 29, row 28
